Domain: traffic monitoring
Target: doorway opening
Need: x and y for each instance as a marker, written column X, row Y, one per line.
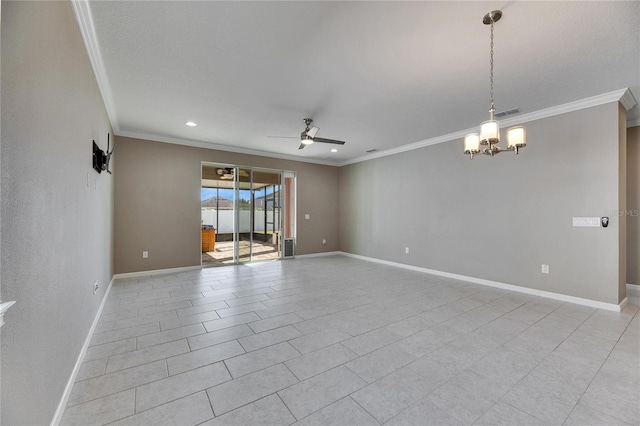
column 242, row 214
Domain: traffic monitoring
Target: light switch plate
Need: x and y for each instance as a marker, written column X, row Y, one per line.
column 307, row 216
column 586, row 221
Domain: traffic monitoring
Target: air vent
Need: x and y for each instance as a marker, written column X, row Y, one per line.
column 288, row 247
column 507, row 113
column 369, row 151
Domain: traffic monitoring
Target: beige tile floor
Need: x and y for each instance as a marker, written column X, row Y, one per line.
column 335, row 340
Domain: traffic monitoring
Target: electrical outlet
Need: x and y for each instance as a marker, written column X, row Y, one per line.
column 324, row 241
column 406, row 250
column 145, row 254
column 545, row 269
column 95, row 287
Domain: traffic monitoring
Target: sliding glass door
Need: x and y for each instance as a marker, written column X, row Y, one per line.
column 242, row 212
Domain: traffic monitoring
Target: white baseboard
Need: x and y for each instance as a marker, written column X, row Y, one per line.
column 512, row 287
column 155, row 272
column 57, row 417
column 326, row 253
column 195, row 268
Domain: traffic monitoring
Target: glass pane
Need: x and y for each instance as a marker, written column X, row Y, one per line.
column 217, row 215
column 266, row 215
column 244, row 213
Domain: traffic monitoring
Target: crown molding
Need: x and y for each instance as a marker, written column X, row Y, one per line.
column 221, row 147
column 623, row 96
column 409, row 147
column 3, row 308
column 627, row 100
column 633, row 123
column 82, row 11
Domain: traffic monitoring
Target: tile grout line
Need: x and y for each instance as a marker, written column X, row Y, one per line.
column 600, row 368
column 365, row 410
column 542, row 360
column 457, row 374
column 286, row 406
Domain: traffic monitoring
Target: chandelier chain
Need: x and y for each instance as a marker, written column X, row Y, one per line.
column 486, row 142
column 491, row 73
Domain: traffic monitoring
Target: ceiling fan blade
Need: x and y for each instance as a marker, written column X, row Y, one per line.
column 301, row 146
column 284, row 137
column 312, row 131
column 323, row 140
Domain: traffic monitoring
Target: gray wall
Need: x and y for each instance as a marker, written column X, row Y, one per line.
column 498, row 218
column 0, row 202
column 622, row 202
column 633, row 205
column 56, row 230
column 157, row 204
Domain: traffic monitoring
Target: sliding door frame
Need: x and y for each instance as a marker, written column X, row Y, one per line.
column 281, row 216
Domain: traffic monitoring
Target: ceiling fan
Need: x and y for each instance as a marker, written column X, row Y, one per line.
column 229, row 173
column 308, row 136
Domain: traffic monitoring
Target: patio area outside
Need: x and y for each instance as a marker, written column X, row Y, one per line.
column 223, row 253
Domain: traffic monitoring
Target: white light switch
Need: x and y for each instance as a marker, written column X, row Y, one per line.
column 307, row 216
column 586, row 221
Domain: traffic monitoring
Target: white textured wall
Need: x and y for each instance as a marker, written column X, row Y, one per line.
column 56, row 229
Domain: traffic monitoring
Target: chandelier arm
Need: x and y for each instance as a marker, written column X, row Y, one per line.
column 492, row 150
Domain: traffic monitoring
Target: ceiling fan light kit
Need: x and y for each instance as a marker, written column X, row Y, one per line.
column 489, row 135
column 308, row 136
column 226, row 174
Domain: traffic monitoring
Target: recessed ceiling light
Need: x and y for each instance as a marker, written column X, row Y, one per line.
column 191, row 124
column 334, row 150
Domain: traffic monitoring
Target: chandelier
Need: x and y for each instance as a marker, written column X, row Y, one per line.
column 489, row 135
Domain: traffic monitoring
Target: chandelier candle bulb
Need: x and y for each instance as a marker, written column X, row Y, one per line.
column 489, row 132
column 471, row 143
column 516, row 138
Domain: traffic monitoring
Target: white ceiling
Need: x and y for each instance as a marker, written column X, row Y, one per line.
column 379, row 75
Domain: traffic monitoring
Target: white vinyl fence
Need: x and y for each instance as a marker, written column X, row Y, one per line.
column 226, row 217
